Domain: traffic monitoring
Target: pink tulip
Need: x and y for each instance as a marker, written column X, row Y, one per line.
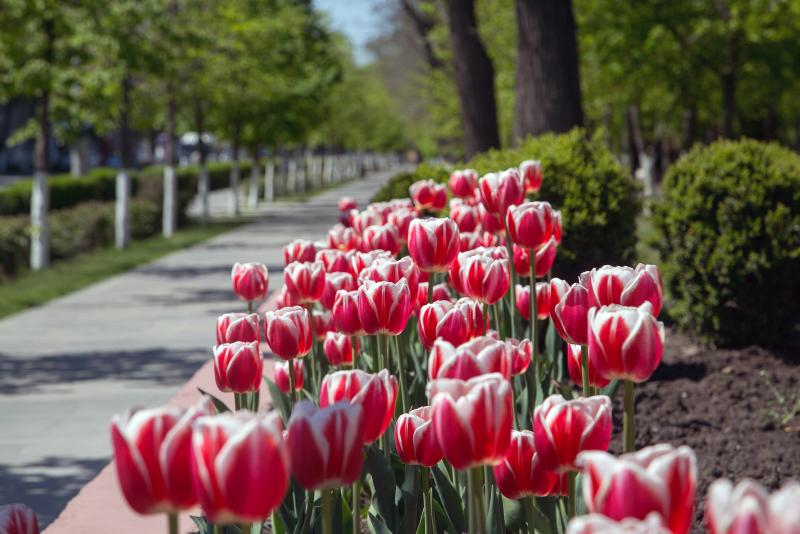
column 493, row 253
column 625, row 343
column 288, row 332
column 624, row 285
column 440, row 292
column 391, row 270
column 484, row 279
column 326, row 444
column 306, row 281
column 462, row 183
column 321, row 324
column 500, row 191
column 345, row 313
column 542, row 262
column 415, row 440
column 575, row 368
column 347, row 204
column 482, row 355
column 428, row 195
column 343, row 238
column 557, row 228
column 285, row 299
column 240, row 466
column 530, row 225
column 232, row 327
column 472, row 419
column 361, row 261
column 569, row 309
column 565, row 428
column 659, row 479
column 747, row 508
column 360, row 220
column 531, row 171
column 520, row 473
column 384, row 307
column 151, row 449
column 18, row 519
column 336, row 261
column 600, row 524
column 542, row 301
column 250, row 281
column 520, row 353
column 401, row 220
column 381, row 237
column 280, row 375
column 491, row 222
column 238, row 367
column 340, row 349
column 433, row 243
column 301, row 250
column 455, row 322
column 375, row 393
column 333, row 283
column 468, row 218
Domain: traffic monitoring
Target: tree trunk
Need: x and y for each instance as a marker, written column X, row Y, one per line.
column 169, row 222
column 729, row 103
column 203, row 185
column 122, row 234
column 252, row 198
column 40, row 193
column 475, row 79
column 235, row 173
column 689, row 126
column 548, row 93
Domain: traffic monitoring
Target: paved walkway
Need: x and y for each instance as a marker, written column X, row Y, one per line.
column 131, row 340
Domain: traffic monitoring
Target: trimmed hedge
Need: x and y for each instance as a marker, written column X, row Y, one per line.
column 728, row 231
column 597, row 198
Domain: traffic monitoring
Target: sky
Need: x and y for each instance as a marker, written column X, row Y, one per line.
column 360, row 20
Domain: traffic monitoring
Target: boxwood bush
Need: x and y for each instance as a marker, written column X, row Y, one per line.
column 728, row 231
column 597, row 198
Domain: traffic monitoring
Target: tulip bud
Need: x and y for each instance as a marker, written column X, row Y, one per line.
column 361, row 261
column 362, row 219
column 238, row 367
column 662, row 478
column 491, row 222
column 625, row 343
column 342, row 238
column 250, row 281
column 391, row 270
column 531, row 171
column 520, row 353
column 482, row 355
column 285, row 299
column 455, row 322
column 376, row 393
column 530, row 225
column 333, row 283
column 336, row 261
column 415, row 440
column 401, row 220
column 600, row 524
column 748, row 508
column 433, row 243
column 18, row 519
column 326, row 444
column 381, row 237
column 232, row 327
column 321, row 324
column 623, row 285
column 151, row 451
column 575, row 368
column 347, row 204
column 300, row 250
column 384, row 307
column 462, row 183
column 240, row 466
column 472, row 419
column 345, row 313
column 565, row 428
column 484, row 279
column 542, row 262
column 280, row 375
column 542, row 301
column 306, row 281
column 468, row 218
column 520, row 473
column 288, row 332
column 340, row 349
column 428, row 195
column 569, row 309
column 500, row 191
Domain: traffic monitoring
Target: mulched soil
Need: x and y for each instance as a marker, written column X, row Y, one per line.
column 719, row 403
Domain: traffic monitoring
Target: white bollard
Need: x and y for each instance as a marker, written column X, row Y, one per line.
column 252, row 197
column 169, row 208
column 269, row 181
column 40, row 234
column 122, row 233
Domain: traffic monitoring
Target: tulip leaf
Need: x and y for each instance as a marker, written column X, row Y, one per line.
column 451, row 501
column 278, row 400
column 611, row 389
column 377, row 526
column 384, row 482
column 513, row 514
column 203, row 526
column 218, row 404
column 411, row 495
column 495, row 521
column 547, row 515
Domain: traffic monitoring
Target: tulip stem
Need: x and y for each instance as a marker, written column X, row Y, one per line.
column 427, row 497
column 327, row 512
column 431, row 282
column 402, row 372
column 357, row 506
column 477, row 513
column 237, row 401
column 512, row 289
column 571, row 476
column 292, row 391
column 172, row 523
column 587, row 391
column 249, row 306
column 628, row 428
column 534, row 337
column 530, row 518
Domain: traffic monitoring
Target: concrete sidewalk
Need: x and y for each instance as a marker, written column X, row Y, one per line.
column 131, row 340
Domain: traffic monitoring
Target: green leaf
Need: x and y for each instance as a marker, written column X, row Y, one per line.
column 279, row 400
column 218, row 404
column 411, row 499
column 514, row 516
column 384, row 482
column 451, row 501
column 611, row 389
column 202, row 524
column 495, row 519
column 377, row 526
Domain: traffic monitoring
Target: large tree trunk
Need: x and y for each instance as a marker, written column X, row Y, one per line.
column 203, row 185
column 122, row 234
column 474, row 78
column 548, row 84
column 169, row 222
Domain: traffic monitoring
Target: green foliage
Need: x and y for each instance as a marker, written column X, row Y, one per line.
column 597, row 198
column 727, row 232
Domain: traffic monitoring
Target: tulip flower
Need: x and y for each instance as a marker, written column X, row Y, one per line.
column 565, row 428
column 288, row 332
column 347, row 204
column 455, row 270
column 381, row 237
column 542, row 301
column 321, row 324
column 415, row 440
column 542, row 261
column 433, row 243
column 391, row 270
column 440, row 292
column 384, row 307
column 345, row 313
column 569, row 310
column 306, row 281
column 530, row 225
column 557, row 228
column 491, row 222
column 336, row 261
column 455, row 322
column 343, row 238
column 428, row 195
column 462, row 183
column 238, row 367
column 301, row 250
column 360, row 261
column 375, row 393
column 531, row 171
column 232, row 327
column 340, row 349
column 600, row 524
column 484, row 279
column 285, row 299
column 520, row 352
column 334, row 282
column 624, row 285
column 18, row 519
column 575, row 368
column 250, row 281
column 151, row 451
column 280, row 375
column 520, row 473
column 326, row 444
column 747, row 508
column 240, row 466
column 401, row 220
column 360, row 220
column 659, row 479
column 466, row 217
column 482, row 355
column 500, row 191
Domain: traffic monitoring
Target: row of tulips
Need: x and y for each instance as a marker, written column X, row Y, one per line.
column 408, row 397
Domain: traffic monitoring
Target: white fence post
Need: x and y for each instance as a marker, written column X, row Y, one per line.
column 40, row 235
column 169, row 209
column 122, row 234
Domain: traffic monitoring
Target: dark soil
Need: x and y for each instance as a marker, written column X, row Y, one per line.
column 719, row 403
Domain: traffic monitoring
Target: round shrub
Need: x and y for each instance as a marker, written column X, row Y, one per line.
column 728, row 231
